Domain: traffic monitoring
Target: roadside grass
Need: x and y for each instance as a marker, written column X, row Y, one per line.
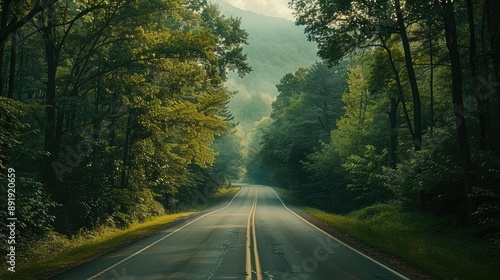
column 428, row 242
column 57, row 252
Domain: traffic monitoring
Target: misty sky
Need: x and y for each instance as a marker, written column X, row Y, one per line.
column 275, row 8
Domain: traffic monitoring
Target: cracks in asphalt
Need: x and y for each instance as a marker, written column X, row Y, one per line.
column 281, row 265
column 224, row 249
column 268, row 275
column 224, row 246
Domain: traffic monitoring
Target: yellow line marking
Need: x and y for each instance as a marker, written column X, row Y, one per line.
column 251, row 225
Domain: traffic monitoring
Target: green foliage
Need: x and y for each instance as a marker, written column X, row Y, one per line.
column 487, row 195
column 364, row 121
column 229, row 163
column 431, row 169
column 12, row 113
column 397, row 137
column 337, row 37
column 350, row 167
column 325, row 165
column 230, row 38
column 366, row 175
column 33, row 208
column 303, row 115
column 142, row 207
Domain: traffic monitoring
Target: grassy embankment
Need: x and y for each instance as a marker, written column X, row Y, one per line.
column 431, row 243
column 57, row 252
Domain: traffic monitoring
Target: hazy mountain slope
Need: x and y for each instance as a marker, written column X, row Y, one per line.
column 276, row 47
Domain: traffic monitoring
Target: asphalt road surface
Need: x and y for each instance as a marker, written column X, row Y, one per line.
column 255, row 236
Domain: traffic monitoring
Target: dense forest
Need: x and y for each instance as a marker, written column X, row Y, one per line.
column 114, row 111
column 404, row 110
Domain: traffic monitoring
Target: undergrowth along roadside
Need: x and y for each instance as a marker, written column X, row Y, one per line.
column 427, row 242
column 56, row 252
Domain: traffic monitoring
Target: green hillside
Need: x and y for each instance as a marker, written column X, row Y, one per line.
column 276, row 47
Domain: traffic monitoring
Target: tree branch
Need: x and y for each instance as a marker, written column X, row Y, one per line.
column 11, row 28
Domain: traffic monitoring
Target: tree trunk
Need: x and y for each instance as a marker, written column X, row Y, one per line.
column 493, row 8
column 12, row 75
column 400, row 89
column 472, row 38
column 457, row 91
column 3, row 27
column 12, row 66
column 493, row 17
column 431, row 82
column 18, row 23
column 126, row 153
column 50, row 103
column 417, row 114
column 480, row 100
column 393, row 141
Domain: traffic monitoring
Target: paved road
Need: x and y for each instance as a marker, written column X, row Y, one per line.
column 254, row 237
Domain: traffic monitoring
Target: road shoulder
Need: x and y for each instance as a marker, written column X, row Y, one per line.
column 382, row 257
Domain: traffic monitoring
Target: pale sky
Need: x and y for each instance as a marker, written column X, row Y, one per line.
column 275, row 8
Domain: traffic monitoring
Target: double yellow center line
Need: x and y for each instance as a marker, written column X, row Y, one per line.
column 251, row 224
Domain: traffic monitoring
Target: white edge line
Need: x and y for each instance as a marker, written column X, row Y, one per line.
column 258, row 268
column 161, row 239
column 329, row 235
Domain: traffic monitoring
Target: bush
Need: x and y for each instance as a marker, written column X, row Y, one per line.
column 32, row 207
column 429, row 176
column 366, row 176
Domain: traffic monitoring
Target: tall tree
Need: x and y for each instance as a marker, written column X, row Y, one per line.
column 417, row 110
column 230, row 40
column 457, row 97
column 326, row 24
column 492, row 8
column 384, row 80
